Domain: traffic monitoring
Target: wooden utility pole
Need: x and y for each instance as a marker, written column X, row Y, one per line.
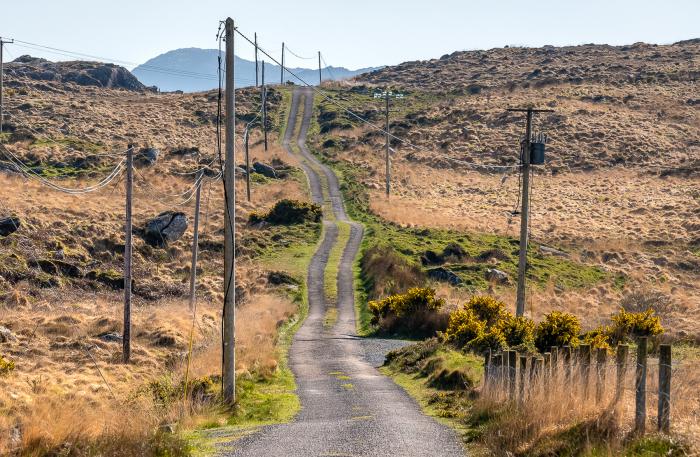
column 2, row 89
column 229, row 314
column 525, row 210
column 264, row 105
column 256, row 59
column 126, row 334
column 320, row 79
column 247, row 165
column 195, row 240
column 387, row 158
column 282, row 66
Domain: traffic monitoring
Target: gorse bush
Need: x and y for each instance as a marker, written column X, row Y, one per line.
column 628, row 325
column 492, row 339
column 289, row 212
column 598, row 338
column 6, row 366
column 557, row 329
column 517, row 331
column 487, row 308
column 414, row 313
column 463, row 327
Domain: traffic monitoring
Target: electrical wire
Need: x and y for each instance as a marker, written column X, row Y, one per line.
column 31, row 174
column 297, row 55
column 327, row 98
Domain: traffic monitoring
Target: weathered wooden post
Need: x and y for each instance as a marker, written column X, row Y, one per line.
column 567, row 363
column 601, row 368
column 535, row 375
column 621, row 364
column 664, row 417
column 487, row 367
column 523, row 371
column 555, row 363
column 584, row 367
column 512, row 360
column 640, row 387
column 547, row 369
column 498, row 373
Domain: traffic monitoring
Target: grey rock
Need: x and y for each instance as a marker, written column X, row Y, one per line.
column 165, row 228
column 546, row 250
column 264, row 169
column 9, row 225
column 6, row 335
column 240, row 172
column 148, row 156
column 497, row 276
column 444, row 275
column 110, row 337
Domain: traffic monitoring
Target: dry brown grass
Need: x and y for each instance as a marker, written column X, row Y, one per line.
column 556, row 418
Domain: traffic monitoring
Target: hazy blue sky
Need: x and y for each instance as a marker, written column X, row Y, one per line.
column 350, row 33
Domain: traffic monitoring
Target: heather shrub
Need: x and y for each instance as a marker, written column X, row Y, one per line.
column 557, row 329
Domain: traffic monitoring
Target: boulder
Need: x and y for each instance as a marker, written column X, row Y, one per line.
column 110, row 337
column 6, row 335
column 9, row 225
column 444, row 275
column 497, row 276
column 165, row 228
column 265, row 170
column 148, row 156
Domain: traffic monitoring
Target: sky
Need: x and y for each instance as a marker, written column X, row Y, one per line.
column 354, row 34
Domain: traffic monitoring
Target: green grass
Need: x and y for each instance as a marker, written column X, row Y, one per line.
column 330, row 274
column 68, row 142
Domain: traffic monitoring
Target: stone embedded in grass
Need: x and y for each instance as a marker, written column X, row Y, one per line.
column 6, row 335
column 265, row 170
column 444, row 275
column 9, row 225
column 147, row 156
column 165, row 228
column 497, row 276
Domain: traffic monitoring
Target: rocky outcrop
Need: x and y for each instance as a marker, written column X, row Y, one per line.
column 81, row 73
column 165, row 228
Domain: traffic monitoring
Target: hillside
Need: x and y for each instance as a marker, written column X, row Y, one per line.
column 162, row 71
column 81, row 73
column 618, row 191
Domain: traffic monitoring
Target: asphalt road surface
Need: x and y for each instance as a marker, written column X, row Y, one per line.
column 348, row 407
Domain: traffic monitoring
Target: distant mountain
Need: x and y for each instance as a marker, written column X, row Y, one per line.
column 195, row 69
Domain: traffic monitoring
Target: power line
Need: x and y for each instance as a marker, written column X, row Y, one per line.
column 362, row 119
column 297, row 55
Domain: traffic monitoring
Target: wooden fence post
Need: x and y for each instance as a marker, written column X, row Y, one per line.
column 498, row 373
column 640, row 386
column 512, row 361
column 601, row 367
column 547, row 371
column 487, row 367
column 621, row 363
column 664, row 417
column 523, row 371
column 567, row 363
column 555, row 363
column 584, row 368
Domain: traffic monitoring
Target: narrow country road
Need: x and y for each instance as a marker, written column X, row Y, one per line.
column 348, row 407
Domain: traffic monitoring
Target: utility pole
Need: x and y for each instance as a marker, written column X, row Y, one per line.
column 264, row 105
column 320, row 80
column 282, row 66
column 247, row 165
column 2, row 89
column 195, row 241
column 525, row 210
column 256, row 59
column 229, row 314
column 388, row 145
column 126, row 334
